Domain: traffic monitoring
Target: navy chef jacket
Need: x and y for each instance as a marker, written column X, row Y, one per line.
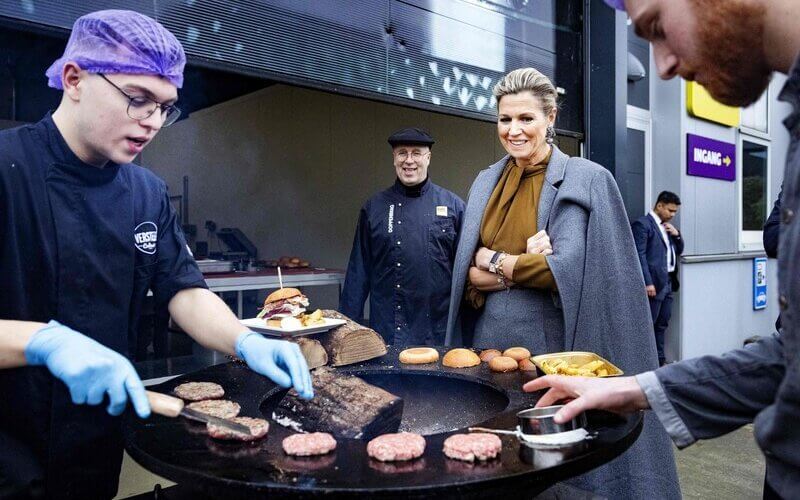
column 402, row 258
column 81, row 245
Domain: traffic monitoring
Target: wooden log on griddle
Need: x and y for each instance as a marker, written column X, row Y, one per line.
column 343, row 405
column 313, row 351
column 351, row 342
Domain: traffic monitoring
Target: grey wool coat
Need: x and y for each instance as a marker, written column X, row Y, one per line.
column 601, row 297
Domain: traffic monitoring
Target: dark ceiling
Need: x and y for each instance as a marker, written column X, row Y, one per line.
column 25, row 55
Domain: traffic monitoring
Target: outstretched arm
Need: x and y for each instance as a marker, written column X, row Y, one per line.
column 695, row 399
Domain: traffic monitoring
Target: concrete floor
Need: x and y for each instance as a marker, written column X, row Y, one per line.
column 134, row 480
column 727, row 467
column 730, row 466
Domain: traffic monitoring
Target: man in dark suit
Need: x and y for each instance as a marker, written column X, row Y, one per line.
column 772, row 228
column 771, row 233
column 659, row 245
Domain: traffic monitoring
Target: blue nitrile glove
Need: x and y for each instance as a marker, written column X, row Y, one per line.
column 279, row 360
column 89, row 369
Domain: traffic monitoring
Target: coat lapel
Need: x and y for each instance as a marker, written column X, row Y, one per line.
column 479, row 196
column 657, row 230
column 476, row 204
column 552, row 180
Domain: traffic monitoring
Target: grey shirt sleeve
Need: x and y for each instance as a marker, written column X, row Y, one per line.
column 710, row 396
column 664, row 410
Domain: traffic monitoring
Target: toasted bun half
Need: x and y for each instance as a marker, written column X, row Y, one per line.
column 488, row 354
column 419, row 356
column 460, row 358
column 282, row 294
column 502, row 364
column 518, row 353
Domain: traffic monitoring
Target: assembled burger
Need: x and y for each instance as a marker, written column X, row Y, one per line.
column 284, row 308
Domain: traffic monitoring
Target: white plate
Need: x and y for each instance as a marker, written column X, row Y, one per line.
column 259, row 325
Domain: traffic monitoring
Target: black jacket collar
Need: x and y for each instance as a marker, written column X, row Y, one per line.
column 411, row 191
column 67, row 161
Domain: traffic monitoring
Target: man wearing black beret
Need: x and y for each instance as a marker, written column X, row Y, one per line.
column 403, row 250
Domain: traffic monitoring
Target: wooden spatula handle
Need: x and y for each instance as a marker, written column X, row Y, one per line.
column 164, row 405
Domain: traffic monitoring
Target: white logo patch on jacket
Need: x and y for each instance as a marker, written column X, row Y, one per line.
column 145, row 236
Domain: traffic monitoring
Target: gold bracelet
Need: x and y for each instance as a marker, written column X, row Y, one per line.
column 499, row 265
column 502, row 281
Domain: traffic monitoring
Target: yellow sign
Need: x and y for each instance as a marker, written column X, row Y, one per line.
column 699, row 103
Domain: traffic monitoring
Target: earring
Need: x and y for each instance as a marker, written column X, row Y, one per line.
column 550, row 135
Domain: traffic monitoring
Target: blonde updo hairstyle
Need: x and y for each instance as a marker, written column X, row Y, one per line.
column 531, row 80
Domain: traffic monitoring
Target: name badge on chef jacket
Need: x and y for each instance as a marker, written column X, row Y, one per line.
column 441, row 211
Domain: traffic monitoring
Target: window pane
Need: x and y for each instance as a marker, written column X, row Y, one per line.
column 639, row 91
column 754, row 186
column 756, row 116
column 631, row 178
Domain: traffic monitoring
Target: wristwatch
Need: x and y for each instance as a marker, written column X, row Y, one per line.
column 493, row 262
column 496, row 262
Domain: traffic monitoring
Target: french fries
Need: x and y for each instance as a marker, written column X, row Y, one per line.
column 594, row 368
column 314, row 318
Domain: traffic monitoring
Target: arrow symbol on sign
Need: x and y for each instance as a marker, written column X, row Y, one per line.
column 727, row 161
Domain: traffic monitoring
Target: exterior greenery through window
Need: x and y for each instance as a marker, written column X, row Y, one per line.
column 754, row 186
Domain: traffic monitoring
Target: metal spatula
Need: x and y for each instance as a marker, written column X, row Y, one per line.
column 557, row 439
column 174, row 407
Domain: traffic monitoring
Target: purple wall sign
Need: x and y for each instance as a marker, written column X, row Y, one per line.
column 709, row 158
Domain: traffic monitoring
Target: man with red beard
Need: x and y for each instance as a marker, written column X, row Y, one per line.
column 730, row 47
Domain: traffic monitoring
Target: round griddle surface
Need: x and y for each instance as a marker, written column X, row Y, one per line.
column 438, row 402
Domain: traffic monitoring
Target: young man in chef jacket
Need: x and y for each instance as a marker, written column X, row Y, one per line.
column 84, row 234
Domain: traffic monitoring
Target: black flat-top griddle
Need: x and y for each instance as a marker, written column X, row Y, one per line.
column 439, row 402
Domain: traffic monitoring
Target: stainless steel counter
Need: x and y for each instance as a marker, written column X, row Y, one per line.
column 160, row 370
column 268, row 279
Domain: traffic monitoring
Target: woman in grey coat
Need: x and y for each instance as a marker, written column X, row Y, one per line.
column 546, row 261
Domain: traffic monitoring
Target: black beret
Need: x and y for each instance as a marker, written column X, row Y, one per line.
column 411, row 135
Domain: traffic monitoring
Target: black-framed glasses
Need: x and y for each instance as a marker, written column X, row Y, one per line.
column 415, row 155
column 141, row 108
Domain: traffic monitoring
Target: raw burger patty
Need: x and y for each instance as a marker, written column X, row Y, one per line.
column 199, row 391
column 471, row 447
column 400, row 446
column 258, row 429
column 220, row 408
column 306, row 445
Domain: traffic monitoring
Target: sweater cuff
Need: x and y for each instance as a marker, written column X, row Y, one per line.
column 533, row 271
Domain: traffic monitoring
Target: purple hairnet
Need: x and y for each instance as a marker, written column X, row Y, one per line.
column 617, row 4
column 121, row 41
